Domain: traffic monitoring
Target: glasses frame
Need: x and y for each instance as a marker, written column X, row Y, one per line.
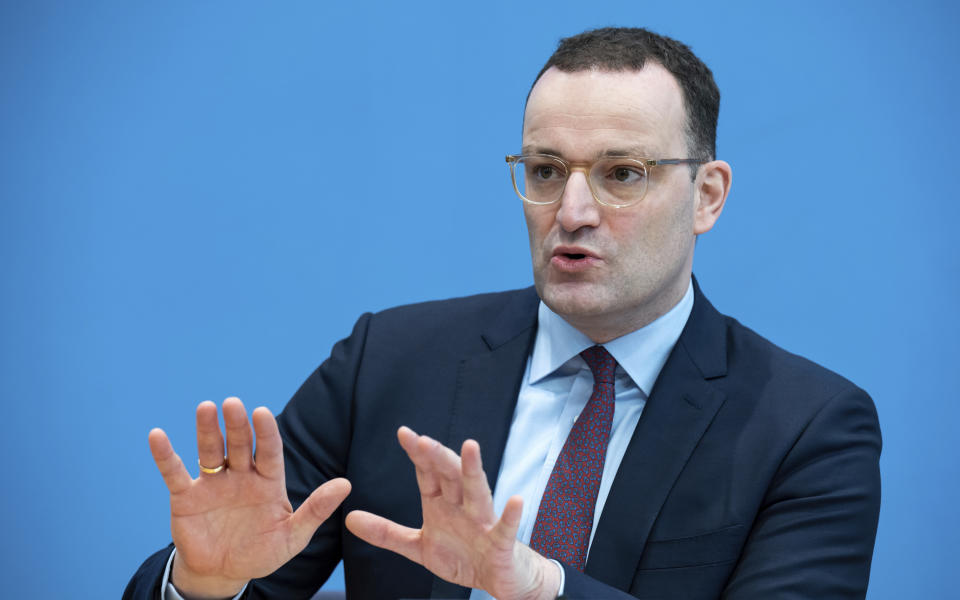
column 647, row 163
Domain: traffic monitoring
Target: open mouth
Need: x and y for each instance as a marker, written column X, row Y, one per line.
column 571, row 261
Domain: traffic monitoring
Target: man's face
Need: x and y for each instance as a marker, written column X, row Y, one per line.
column 636, row 260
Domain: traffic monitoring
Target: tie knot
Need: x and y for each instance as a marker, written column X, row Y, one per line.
column 601, row 363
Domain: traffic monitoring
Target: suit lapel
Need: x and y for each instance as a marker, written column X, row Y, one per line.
column 681, row 407
column 486, row 396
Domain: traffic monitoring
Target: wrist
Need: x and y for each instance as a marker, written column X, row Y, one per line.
column 552, row 575
column 194, row 586
column 547, row 579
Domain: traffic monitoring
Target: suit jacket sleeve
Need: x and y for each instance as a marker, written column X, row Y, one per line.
column 813, row 536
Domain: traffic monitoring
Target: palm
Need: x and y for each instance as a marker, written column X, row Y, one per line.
column 237, row 524
column 461, row 547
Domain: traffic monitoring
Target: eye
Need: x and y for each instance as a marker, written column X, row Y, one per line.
column 544, row 171
column 626, row 174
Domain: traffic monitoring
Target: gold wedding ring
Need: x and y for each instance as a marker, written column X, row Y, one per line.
column 217, row 469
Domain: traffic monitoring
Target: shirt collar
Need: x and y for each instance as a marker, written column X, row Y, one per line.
column 641, row 353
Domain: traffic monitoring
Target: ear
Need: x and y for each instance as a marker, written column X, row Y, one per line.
column 713, row 185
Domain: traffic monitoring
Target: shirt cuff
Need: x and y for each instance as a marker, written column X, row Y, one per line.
column 168, row 592
column 563, row 577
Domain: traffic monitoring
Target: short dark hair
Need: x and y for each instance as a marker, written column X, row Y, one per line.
column 628, row 49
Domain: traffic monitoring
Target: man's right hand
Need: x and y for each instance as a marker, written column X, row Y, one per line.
column 236, row 525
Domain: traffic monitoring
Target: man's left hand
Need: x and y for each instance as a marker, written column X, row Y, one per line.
column 461, row 540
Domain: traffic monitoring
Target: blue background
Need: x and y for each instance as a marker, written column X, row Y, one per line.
column 198, row 198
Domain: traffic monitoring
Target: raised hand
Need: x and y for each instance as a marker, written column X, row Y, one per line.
column 461, row 540
column 236, row 524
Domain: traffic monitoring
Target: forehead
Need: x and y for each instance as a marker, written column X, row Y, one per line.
column 587, row 113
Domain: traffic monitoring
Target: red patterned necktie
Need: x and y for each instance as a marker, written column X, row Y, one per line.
column 565, row 517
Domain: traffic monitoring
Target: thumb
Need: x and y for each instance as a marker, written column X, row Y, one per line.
column 315, row 510
column 504, row 532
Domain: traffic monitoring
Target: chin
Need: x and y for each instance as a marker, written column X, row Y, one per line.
column 573, row 300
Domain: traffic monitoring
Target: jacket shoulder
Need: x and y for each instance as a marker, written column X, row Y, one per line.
column 509, row 311
column 487, row 303
column 758, row 367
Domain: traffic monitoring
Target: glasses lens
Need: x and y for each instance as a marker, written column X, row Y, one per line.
column 619, row 181
column 539, row 179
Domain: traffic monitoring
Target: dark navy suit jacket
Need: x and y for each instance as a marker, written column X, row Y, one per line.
column 752, row 473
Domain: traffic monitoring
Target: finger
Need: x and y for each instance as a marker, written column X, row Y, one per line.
column 408, row 439
column 446, row 468
column 174, row 474
column 315, row 510
column 209, row 436
column 426, row 480
column 428, row 484
column 477, row 499
column 239, row 436
column 384, row 533
column 269, row 459
column 504, row 532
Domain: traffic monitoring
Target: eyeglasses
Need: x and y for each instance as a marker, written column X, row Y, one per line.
column 616, row 181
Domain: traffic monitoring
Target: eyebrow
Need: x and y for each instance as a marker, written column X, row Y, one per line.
column 539, row 150
column 632, row 151
column 638, row 151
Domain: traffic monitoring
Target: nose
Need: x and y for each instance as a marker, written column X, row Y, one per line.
column 577, row 205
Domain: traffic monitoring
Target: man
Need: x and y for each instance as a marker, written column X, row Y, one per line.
column 639, row 444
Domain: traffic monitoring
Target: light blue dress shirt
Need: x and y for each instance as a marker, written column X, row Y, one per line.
column 556, row 386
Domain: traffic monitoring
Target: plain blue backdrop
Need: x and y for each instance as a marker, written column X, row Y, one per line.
column 197, row 199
